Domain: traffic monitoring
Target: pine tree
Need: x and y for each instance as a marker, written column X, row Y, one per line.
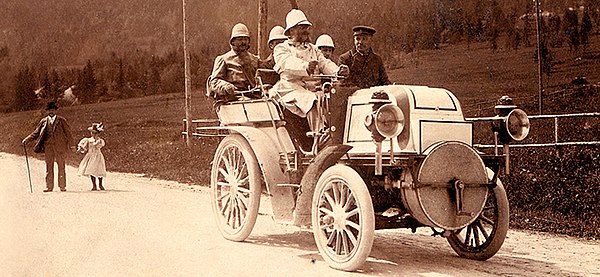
column 85, row 89
column 25, row 98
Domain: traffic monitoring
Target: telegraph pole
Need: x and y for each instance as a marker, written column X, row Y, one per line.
column 539, row 55
column 188, row 82
column 263, row 11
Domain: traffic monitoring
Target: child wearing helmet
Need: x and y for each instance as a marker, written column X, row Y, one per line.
column 325, row 44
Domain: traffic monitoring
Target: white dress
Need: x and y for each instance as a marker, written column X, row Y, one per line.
column 93, row 162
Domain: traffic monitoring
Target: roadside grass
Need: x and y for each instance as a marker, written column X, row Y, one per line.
column 553, row 190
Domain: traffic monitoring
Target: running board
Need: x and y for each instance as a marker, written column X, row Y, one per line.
column 289, row 185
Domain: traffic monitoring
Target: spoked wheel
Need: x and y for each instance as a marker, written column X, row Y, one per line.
column 236, row 186
column 483, row 238
column 343, row 220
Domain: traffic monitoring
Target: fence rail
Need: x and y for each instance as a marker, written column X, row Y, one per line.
column 556, row 139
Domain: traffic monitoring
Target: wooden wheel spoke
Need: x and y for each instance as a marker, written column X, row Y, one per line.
column 222, row 196
column 223, row 184
column 468, row 235
column 243, row 190
column 345, row 246
column 329, row 198
column 483, row 231
column 351, row 236
column 224, row 173
column 243, row 200
column 349, row 201
column 240, row 172
column 352, row 213
column 338, row 242
column 476, row 236
column 486, row 220
column 326, row 211
column 343, row 194
column 331, row 238
column 335, row 187
column 354, row 225
column 225, row 204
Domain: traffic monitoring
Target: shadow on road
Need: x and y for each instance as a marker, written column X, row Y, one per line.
column 406, row 254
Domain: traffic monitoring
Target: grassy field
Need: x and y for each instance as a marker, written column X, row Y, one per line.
column 548, row 190
column 142, row 135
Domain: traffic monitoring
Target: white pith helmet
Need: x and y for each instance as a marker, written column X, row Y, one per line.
column 239, row 30
column 324, row 40
column 294, row 18
column 276, row 33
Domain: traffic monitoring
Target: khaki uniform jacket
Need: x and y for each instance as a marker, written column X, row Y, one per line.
column 58, row 135
column 295, row 86
column 231, row 69
column 365, row 70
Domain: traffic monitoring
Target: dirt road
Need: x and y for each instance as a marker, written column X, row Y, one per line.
column 146, row 227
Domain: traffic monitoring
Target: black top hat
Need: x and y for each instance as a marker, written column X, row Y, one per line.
column 363, row 30
column 52, row 106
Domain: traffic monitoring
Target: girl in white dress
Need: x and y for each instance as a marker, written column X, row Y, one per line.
column 93, row 163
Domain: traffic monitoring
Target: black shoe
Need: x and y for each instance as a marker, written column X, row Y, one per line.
column 101, row 187
column 94, row 188
column 47, row 190
column 63, row 189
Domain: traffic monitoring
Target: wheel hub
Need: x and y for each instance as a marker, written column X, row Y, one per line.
column 340, row 218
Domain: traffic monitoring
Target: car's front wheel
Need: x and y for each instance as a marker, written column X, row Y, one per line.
column 343, row 220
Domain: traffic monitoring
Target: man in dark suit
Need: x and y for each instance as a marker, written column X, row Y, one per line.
column 366, row 67
column 54, row 139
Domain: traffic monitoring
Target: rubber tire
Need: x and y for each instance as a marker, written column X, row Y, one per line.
column 358, row 188
column 238, row 144
column 496, row 237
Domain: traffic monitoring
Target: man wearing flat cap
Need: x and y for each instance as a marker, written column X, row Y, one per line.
column 54, row 139
column 366, row 67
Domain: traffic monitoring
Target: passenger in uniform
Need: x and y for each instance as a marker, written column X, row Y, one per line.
column 234, row 70
column 325, row 44
column 276, row 36
column 296, row 59
column 366, row 67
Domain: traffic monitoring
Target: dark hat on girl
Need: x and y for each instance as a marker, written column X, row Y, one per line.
column 96, row 127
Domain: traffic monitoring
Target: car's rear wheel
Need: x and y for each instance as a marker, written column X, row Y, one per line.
column 343, row 220
column 236, row 187
column 483, row 238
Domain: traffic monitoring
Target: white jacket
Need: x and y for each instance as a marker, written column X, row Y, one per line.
column 295, row 87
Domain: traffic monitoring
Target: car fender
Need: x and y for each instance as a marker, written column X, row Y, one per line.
column 282, row 198
column 324, row 159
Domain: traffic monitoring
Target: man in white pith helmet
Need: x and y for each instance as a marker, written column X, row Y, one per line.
column 296, row 59
column 276, row 36
column 325, row 44
column 234, row 70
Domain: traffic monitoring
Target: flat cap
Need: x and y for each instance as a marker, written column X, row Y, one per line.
column 363, row 30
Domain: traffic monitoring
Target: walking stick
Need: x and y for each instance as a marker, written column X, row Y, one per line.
column 28, row 172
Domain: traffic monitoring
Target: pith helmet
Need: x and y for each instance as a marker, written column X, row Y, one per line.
column 324, row 40
column 294, row 18
column 276, row 33
column 239, row 30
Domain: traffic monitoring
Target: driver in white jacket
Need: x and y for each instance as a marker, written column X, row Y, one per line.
column 296, row 60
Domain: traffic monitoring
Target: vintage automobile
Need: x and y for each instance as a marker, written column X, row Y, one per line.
column 404, row 159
